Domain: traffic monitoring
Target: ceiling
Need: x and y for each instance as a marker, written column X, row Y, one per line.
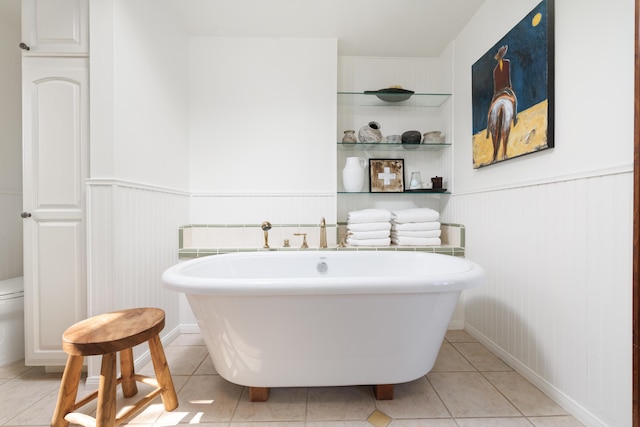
column 389, row 28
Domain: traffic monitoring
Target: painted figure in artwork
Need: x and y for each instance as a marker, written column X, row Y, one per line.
column 504, row 105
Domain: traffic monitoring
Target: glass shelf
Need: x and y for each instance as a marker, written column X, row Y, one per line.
column 431, row 193
column 383, row 146
column 416, row 100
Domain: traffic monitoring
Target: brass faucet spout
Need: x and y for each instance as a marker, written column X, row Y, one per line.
column 323, row 233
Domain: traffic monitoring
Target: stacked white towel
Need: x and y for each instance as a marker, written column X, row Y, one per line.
column 369, row 227
column 415, row 227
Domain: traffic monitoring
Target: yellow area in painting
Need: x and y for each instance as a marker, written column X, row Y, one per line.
column 529, row 135
column 536, row 19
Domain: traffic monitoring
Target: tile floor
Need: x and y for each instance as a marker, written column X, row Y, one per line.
column 468, row 386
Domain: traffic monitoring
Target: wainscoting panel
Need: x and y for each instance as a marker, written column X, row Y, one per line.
column 132, row 238
column 557, row 303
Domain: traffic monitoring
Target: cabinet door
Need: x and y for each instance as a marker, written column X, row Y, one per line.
column 55, row 158
column 53, row 27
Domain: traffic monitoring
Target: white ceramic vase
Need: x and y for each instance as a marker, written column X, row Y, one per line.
column 353, row 174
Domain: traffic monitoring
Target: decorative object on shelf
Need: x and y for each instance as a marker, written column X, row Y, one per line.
column 416, row 181
column 394, row 139
column 391, row 94
column 513, row 112
column 386, row 175
column 349, row 136
column 436, row 182
column 433, row 137
column 411, row 139
column 353, row 174
column 370, row 133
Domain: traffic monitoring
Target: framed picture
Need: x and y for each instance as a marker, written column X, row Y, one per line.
column 386, row 175
column 513, row 91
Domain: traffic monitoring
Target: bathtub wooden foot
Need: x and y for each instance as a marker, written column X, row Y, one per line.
column 383, row 391
column 258, row 394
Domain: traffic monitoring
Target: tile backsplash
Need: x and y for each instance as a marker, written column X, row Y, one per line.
column 198, row 237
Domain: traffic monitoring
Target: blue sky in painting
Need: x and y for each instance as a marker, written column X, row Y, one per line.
column 528, row 52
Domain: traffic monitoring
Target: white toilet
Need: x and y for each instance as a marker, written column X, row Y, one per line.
column 11, row 320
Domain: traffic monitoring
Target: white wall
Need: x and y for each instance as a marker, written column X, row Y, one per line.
column 262, row 115
column 262, row 124
column 139, row 84
column 10, row 141
column 554, row 229
column 136, row 197
column 594, row 92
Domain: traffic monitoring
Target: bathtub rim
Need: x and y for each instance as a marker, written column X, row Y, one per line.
column 472, row 277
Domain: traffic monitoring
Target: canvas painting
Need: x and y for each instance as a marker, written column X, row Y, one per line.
column 386, row 175
column 512, row 91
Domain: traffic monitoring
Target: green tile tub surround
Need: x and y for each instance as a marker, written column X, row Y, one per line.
column 186, row 235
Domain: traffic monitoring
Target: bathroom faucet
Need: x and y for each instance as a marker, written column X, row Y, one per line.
column 266, row 226
column 304, row 240
column 323, row 233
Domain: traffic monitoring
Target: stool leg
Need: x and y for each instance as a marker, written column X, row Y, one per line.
column 68, row 391
column 129, row 387
column 106, row 413
column 163, row 375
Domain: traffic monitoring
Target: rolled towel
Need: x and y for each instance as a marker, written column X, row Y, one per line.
column 416, row 241
column 380, row 234
column 370, row 226
column 416, row 226
column 368, row 215
column 426, row 233
column 369, row 242
column 414, row 215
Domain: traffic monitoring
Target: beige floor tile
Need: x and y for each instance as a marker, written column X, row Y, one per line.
column 523, row 395
column 560, row 421
column 39, row 413
column 18, row 395
column 187, row 339
column 450, row 360
column 182, row 360
column 269, row 424
column 459, row 336
column 336, row 424
column 423, row 423
column 284, row 404
column 207, row 398
column 469, row 394
column 481, row 358
column 339, row 403
column 206, row 367
column 493, row 422
column 416, row 399
column 13, row 370
column 28, row 396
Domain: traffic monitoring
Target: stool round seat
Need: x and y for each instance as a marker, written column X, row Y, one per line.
column 112, row 332
column 111, row 335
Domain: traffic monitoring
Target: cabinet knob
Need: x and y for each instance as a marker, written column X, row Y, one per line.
column 24, row 46
column 25, row 215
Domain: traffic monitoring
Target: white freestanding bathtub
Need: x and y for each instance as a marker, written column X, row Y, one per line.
column 323, row 318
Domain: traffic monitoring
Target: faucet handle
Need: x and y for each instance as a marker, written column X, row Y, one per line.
column 343, row 239
column 304, row 240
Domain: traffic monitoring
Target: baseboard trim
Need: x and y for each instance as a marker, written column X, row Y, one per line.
column 570, row 405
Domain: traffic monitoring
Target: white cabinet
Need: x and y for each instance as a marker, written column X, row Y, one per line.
column 55, row 27
column 55, row 106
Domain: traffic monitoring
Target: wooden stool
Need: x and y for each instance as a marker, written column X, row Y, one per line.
column 107, row 334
